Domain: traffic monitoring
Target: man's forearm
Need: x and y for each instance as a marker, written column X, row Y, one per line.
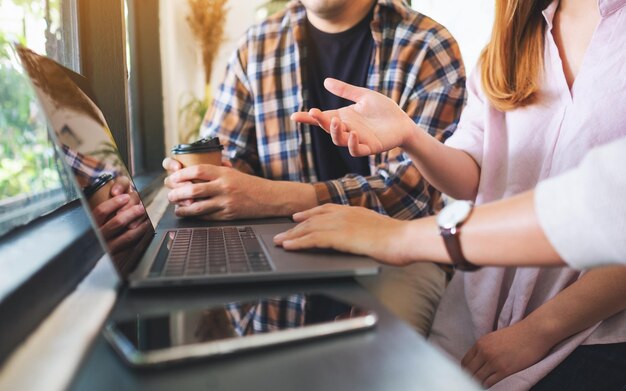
column 285, row 198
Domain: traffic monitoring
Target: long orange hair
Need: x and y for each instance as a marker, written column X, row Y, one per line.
column 511, row 62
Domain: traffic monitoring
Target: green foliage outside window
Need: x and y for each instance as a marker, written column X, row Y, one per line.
column 26, row 157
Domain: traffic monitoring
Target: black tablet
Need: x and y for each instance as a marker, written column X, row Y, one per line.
column 181, row 335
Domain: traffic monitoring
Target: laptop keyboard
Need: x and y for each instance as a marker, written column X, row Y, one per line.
column 213, row 251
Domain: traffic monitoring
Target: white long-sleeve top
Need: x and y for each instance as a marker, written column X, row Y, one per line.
column 583, row 211
column 518, row 149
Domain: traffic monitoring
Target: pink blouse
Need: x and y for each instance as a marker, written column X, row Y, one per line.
column 516, row 150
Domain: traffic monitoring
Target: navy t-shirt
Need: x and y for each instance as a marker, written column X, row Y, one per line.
column 344, row 56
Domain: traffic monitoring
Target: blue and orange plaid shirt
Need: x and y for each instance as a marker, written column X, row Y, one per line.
column 267, row 315
column 86, row 168
column 416, row 62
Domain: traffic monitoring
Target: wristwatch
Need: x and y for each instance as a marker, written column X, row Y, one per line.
column 450, row 220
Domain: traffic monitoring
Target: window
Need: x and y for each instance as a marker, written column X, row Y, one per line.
column 39, row 259
column 31, row 181
column 43, row 261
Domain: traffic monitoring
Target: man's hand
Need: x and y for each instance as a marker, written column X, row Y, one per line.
column 173, row 165
column 373, row 124
column 123, row 185
column 121, row 222
column 223, row 193
column 504, row 352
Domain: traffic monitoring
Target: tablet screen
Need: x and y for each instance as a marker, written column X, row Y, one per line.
column 235, row 321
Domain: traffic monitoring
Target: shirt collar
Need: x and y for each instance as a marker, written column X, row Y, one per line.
column 609, row 6
column 549, row 12
column 298, row 12
column 606, row 8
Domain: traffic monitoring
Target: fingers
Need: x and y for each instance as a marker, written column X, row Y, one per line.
column 316, row 117
column 167, row 182
column 480, row 368
column 304, row 117
column 469, row 356
column 324, row 118
column 200, row 172
column 484, row 372
column 339, row 132
column 357, row 149
column 171, row 165
column 321, row 219
column 194, row 191
column 473, row 361
column 108, row 207
column 185, row 202
column 316, row 234
column 493, row 379
column 311, row 240
column 323, row 121
column 204, row 208
column 121, row 221
column 345, row 90
column 121, row 185
column 307, row 214
column 129, row 237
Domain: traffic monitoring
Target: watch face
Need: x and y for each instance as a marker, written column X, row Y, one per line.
column 454, row 214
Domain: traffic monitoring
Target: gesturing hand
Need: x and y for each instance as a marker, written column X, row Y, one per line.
column 345, row 228
column 504, row 352
column 373, row 124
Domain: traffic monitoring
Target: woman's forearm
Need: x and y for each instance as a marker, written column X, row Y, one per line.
column 502, row 233
column 449, row 170
column 596, row 296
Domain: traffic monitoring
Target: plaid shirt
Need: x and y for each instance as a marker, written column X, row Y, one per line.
column 86, row 168
column 267, row 315
column 416, row 62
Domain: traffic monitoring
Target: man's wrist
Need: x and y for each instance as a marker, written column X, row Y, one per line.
column 288, row 198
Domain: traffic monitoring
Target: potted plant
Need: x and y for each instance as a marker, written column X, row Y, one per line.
column 206, row 20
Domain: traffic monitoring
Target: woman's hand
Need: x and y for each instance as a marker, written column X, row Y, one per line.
column 506, row 351
column 349, row 229
column 373, row 124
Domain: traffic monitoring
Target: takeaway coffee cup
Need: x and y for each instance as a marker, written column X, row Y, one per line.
column 100, row 190
column 203, row 151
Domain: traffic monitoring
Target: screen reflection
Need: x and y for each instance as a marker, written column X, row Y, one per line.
column 233, row 320
column 85, row 142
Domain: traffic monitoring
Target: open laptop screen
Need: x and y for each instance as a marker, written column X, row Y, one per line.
column 84, row 141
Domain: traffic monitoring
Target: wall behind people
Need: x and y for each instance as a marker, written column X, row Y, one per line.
column 181, row 59
column 469, row 22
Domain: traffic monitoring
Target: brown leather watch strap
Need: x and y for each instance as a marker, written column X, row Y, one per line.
column 453, row 245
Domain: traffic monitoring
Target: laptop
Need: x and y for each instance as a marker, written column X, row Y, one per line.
column 143, row 256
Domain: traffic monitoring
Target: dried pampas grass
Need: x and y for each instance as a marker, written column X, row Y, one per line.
column 207, row 19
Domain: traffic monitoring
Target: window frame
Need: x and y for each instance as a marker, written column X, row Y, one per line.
column 146, row 87
column 46, row 271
